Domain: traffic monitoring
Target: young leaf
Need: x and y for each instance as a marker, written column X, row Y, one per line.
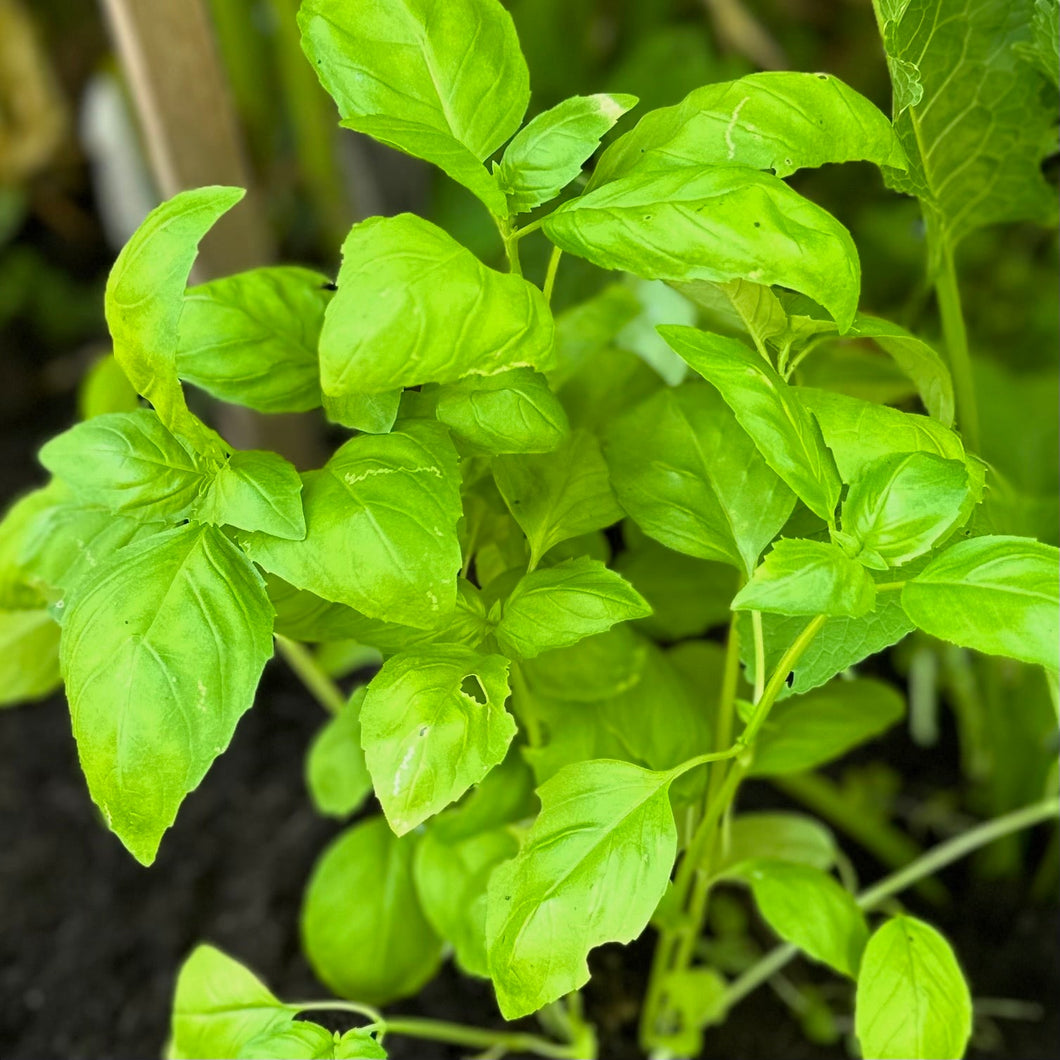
column 299, row 1040
column 593, row 669
column 363, row 929
column 558, row 495
column 589, row 327
column 789, row 837
column 255, row 490
column 433, row 723
column 336, row 773
column 359, row 1044
column 18, row 530
column 511, row 412
column 561, row 605
column 810, row 909
column 912, row 1000
column 660, row 303
column 130, row 462
column 804, row 732
column 778, row 120
column 449, row 86
column 592, row 870
column 369, row 413
column 162, row 650
column 105, row 388
column 392, row 323
column 380, row 528
column 970, row 113
column 902, row 506
column 252, row 338
column 787, row 436
column 691, row 478
column 29, row 656
column 808, row 578
column 998, row 595
column 713, row 223
column 742, row 305
column 144, row 301
column 548, row 153
column 220, row 1006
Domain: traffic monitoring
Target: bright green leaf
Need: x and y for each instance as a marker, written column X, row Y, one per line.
column 363, row 929
column 593, row 669
column 359, row 1044
column 370, row 413
column 587, row 328
column 162, row 650
column 432, row 724
column 336, row 773
column 256, row 490
column 299, row 1040
column 18, row 530
column 105, row 388
column 605, row 829
column 29, row 656
column 660, row 303
column 787, row 837
column 912, row 1000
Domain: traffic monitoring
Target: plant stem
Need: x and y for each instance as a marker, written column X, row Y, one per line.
column 760, row 655
column 477, row 1037
column 939, row 857
column 956, row 338
column 369, row 1013
column 550, row 275
column 300, row 659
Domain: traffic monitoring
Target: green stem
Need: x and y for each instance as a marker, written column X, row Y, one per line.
column 550, row 275
column 955, row 336
column 300, row 659
column 760, row 655
column 927, row 865
column 478, row 1037
column 373, row 1015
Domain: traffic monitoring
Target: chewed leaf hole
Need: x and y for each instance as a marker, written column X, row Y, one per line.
column 471, row 686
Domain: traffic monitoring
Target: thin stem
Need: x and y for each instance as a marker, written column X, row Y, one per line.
column 527, row 229
column 941, row 856
column 956, row 338
column 478, row 1037
column 550, row 275
column 510, row 239
column 373, row 1015
column 300, row 659
column 760, row 655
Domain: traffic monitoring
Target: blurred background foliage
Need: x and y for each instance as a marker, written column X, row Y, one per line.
column 75, row 180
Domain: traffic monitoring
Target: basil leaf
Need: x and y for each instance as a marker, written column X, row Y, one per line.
column 336, row 774
column 970, row 113
column 559, row 495
column 778, row 120
column 433, row 723
column 587, row 328
column 359, row 1044
column 808, row 578
column 689, row 477
column 562, row 605
column 419, row 330
column 660, row 303
column 406, row 74
column 786, row 435
column 740, row 305
column 29, row 656
column 593, row 669
column 144, row 301
column 130, row 462
column 252, row 338
column 809, row 908
column 604, row 828
column 548, row 153
column 787, row 837
column 903, row 505
column 363, row 929
column 219, row 1006
column 370, row 413
column 162, row 650
column 912, row 1000
column 105, row 388
column 998, row 595
column 805, row 732
column 255, row 490
column 606, row 386
column 297, row 1041
column 713, row 223
column 380, row 528
column 511, row 412
column 17, row 533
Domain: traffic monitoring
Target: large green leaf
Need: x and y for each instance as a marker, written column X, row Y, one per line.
column 255, row 490
column 511, row 412
column 162, row 650
column 445, row 83
column 999, row 595
column 788, row 837
column 145, row 298
column 912, row 1000
column 691, row 478
column 432, row 724
column 713, row 223
column 336, row 774
column 29, row 656
column 252, row 338
column 769, row 410
column 778, row 120
column 546, row 155
column 18, row 530
column 972, row 112
column 363, row 929
column 130, row 462
column 593, row 669
column 807, row 907
column 220, row 1006
column 380, row 528
column 414, row 306
column 807, row 731
column 561, row 605
column 592, row 870
column 559, row 495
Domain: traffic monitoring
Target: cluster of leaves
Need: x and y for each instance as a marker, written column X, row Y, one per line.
column 532, row 742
